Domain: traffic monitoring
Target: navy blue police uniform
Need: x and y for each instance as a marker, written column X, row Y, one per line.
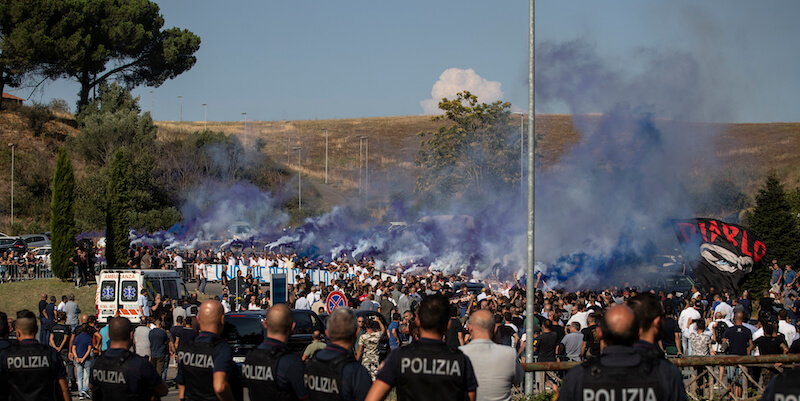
column 199, row 360
column 120, row 375
column 334, row 374
column 4, row 345
column 783, row 387
column 272, row 369
column 623, row 373
column 429, row 370
column 32, row 371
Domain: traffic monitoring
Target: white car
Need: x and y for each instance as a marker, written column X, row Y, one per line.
column 41, row 252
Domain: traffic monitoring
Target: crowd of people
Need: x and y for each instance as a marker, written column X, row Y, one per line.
column 448, row 337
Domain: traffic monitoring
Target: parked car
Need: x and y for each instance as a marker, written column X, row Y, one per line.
column 666, row 282
column 245, row 330
column 383, row 344
column 41, row 252
column 36, row 240
column 12, row 244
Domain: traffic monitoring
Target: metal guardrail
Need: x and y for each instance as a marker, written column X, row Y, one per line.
column 705, row 377
column 24, row 271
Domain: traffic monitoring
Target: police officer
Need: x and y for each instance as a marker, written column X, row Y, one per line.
column 34, row 371
column 620, row 372
column 121, row 375
column 785, row 386
column 428, row 369
column 333, row 373
column 206, row 371
column 271, row 368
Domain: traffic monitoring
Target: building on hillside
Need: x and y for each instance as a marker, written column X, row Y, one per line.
column 11, row 99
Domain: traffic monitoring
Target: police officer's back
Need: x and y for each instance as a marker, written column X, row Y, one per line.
column 119, row 374
column 33, row 371
column 333, row 373
column 271, row 368
column 428, row 369
column 621, row 372
column 785, row 386
column 206, row 371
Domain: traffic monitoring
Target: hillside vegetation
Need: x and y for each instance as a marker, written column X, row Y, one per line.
column 745, row 153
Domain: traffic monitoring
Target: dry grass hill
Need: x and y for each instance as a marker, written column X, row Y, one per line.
column 747, row 150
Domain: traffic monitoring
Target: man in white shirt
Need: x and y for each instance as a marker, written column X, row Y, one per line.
column 302, row 302
column 178, row 260
column 786, row 328
column 579, row 314
column 691, row 312
column 226, row 306
column 724, row 307
column 495, row 365
column 143, row 303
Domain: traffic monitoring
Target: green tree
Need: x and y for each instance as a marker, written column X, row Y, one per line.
column 62, row 215
column 475, row 152
column 117, row 210
column 97, row 40
column 773, row 222
column 23, row 27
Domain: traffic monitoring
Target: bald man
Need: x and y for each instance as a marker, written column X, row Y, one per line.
column 621, row 372
column 497, row 368
column 271, row 368
column 206, row 368
column 120, row 374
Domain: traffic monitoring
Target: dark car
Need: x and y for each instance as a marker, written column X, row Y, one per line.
column 245, row 331
column 667, row 282
column 473, row 288
column 383, row 344
column 12, row 244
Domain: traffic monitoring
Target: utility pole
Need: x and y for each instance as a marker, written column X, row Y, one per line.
column 205, row 117
column 180, row 123
column 299, row 179
column 531, row 280
column 326, row 155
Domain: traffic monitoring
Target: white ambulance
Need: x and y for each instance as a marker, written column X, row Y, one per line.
column 118, row 291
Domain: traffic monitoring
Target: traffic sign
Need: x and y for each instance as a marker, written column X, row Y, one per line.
column 335, row 299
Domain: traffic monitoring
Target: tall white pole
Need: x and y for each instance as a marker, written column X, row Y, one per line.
column 360, row 152
column 205, row 117
column 152, row 104
column 299, row 179
column 244, row 129
column 326, row 155
column 366, row 169
column 531, row 280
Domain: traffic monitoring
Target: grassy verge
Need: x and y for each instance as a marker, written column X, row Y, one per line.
column 26, row 295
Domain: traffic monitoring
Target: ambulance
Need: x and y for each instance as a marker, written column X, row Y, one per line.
column 118, row 291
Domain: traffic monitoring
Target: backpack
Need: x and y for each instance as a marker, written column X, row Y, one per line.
column 719, row 330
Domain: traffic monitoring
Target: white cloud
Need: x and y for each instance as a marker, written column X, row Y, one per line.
column 454, row 80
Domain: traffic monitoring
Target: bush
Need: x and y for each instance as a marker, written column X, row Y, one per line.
column 38, row 115
column 59, row 106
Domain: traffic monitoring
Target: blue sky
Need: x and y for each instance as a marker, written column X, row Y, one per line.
column 299, row 60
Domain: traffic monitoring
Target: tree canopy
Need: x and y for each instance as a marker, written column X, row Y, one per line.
column 475, row 153
column 92, row 41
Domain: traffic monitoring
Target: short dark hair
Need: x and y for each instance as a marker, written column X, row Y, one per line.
column 646, row 307
column 119, row 329
column 434, row 313
column 26, row 322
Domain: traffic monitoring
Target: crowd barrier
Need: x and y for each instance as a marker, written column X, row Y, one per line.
column 25, row 271
column 213, row 272
column 705, row 377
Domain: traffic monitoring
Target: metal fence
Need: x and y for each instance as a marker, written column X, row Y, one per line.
column 705, row 377
column 24, row 271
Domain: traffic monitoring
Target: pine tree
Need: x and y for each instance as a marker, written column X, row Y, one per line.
column 773, row 222
column 117, row 210
column 62, row 215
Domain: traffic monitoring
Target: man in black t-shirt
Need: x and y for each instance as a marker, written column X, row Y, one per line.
column 546, row 343
column 60, row 339
column 591, row 338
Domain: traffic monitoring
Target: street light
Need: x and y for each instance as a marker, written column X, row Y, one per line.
column 245, row 123
column 12, row 181
column 180, row 123
column 326, row 155
column 299, row 181
column 521, row 151
column 152, row 104
column 365, row 139
column 205, row 116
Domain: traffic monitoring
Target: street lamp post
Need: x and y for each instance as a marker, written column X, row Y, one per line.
column 365, row 140
column 299, row 179
column 205, row 117
column 152, row 104
column 360, row 160
column 12, row 182
column 326, row 155
column 245, row 123
column 180, row 123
